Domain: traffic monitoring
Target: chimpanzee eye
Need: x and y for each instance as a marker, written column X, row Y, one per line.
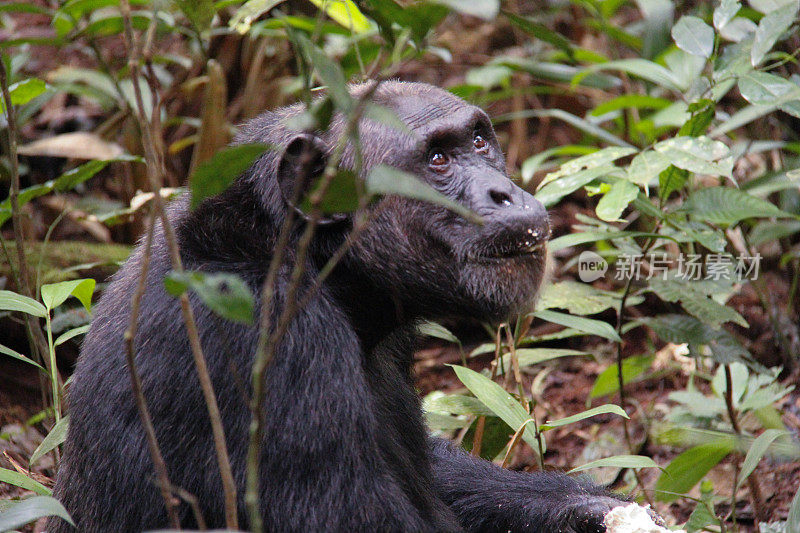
column 480, row 143
column 438, row 160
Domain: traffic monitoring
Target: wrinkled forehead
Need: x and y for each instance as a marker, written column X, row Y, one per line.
column 422, row 112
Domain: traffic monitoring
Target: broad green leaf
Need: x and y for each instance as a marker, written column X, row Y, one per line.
column 757, row 451
column 498, row 400
column 696, row 301
column 329, row 72
column 218, row 173
column 769, row 230
column 56, row 437
column 249, row 12
column 531, row 165
column 770, row 29
column 618, row 461
column 556, row 190
column 225, row 294
column 488, row 76
column 5, row 350
column 24, row 91
column 533, row 356
column 641, row 68
column 574, row 239
column 694, row 36
column 697, row 154
column 616, row 200
column 582, row 124
column 726, row 206
column 383, row 179
column 762, row 88
column 456, row 404
column 12, row 477
column 438, row 421
column 11, row 301
column 541, row 32
column 30, row 510
column 577, row 298
column 55, row 294
column 646, row 167
column 599, row 410
column 71, row 178
column 634, row 101
column 485, row 9
column 345, row 13
column 596, row 159
column 200, row 13
column 432, row 329
column 608, row 380
column 341, row 196
column 725, row 12
column 688, row 468
column 587, row 325
column 737, row 30
column 67, row 335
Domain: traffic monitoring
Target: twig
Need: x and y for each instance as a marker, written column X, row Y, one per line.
column 32, row 326
column 155, row 173
column 752, row 480
column 136, row 381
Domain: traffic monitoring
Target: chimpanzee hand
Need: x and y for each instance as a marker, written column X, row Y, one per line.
column 586, row 514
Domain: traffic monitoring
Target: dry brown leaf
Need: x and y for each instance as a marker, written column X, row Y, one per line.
column 76, row 145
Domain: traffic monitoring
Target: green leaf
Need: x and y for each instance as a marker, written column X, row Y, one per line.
column 56, row 437
column 498, row 400
column 762, row 88
column 727, row 206
column 646, row 167
column 485, row 9
column 12, row 477
column 225, row 294
column 688, row 468
column 488, row 76
column 587, row 325
column 696, row 301
column 218, row 173
column 24, row 91
column 635, row 101
column 541, row 32
column 757, row 451
column 341, row 196
column 383, row 179
column 55, row 294
column 598, row 159
column 618, row 461
column 696, row 154
column 533, row 356
column 577, row 298
column 641, row 68
column 345, row 13
column 694, row 36
column 725, row 12
column 574, row 239
column 74, row 332
column 250, row 11
column 16, row 355
column 770, row 29
column 432, row 329
column 608, row 381
column 456, row 404
column 11, row 301
column 793, row 520
column 600, row 410
column 329, row 73
column 31, row 509
column 616, row 200
column 556, row 190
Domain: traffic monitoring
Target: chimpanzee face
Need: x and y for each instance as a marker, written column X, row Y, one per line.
column 433, row 260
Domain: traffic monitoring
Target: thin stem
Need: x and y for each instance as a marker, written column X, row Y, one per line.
column 752, row 480
column 136, row 382
column 155, row 175
column 53, row 368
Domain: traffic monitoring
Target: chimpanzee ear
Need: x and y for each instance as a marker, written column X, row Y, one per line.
column 302, row 163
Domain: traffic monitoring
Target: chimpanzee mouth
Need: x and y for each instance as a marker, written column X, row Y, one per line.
column 526, row 251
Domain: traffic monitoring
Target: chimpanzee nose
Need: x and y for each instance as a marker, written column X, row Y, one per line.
column 514, row 213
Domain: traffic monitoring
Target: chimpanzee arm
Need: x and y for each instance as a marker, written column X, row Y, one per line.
column 486, row 497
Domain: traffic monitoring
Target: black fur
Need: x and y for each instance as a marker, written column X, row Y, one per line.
column 345, row 446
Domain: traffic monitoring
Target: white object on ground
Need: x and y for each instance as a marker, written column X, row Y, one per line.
column 632, row 518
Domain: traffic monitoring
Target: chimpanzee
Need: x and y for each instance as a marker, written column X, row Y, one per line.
column 345, row 446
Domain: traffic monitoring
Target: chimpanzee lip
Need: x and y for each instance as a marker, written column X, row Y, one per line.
column 512, row 253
